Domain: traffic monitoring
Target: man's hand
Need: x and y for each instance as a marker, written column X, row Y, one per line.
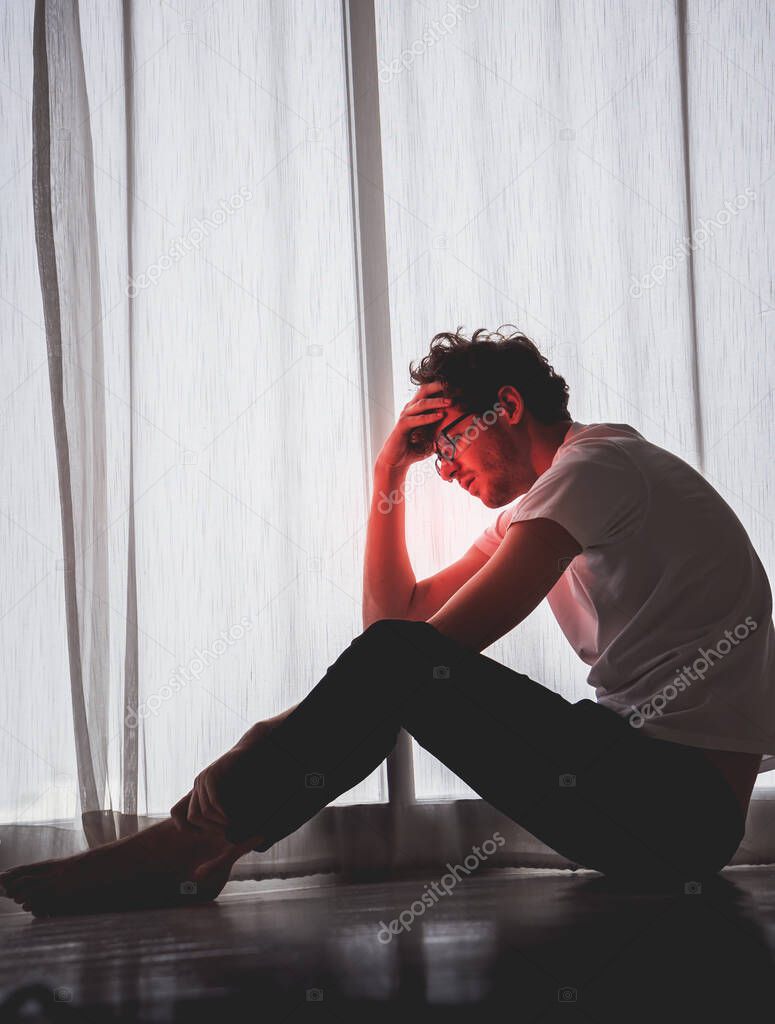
column 411, row 439
column 201, row 807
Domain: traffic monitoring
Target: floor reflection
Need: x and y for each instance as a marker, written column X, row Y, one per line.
column 527, row 946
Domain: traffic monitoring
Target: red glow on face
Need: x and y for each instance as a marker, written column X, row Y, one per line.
column 466, row 466
column 475, row 463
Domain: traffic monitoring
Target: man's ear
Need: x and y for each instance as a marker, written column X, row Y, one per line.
column 511, row 401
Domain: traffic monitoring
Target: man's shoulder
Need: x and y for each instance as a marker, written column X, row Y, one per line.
column 596, row 441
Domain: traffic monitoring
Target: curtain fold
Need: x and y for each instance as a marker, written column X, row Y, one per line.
column 67, row 242
column 185, row 532
column 130, row 702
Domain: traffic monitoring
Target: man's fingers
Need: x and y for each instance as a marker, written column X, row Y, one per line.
column 179, row 812
column 201, row 808
column 195, row 814
column 189, row 813
column 208, row 814
column 199, row 816
column 209, row 800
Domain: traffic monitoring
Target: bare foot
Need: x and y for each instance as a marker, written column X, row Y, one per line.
column 160, row 866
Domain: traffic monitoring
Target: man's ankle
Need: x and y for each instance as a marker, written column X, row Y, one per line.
column 209, row 843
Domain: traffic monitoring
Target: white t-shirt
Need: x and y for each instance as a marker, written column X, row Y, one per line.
column 668, row 601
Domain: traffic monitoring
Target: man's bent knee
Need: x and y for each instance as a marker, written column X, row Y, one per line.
column 397, row 627
column 401, row 636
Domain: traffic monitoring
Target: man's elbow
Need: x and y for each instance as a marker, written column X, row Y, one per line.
column 372, row 613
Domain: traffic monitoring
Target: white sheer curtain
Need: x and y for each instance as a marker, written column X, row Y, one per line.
column 189, row 310
column 202, row 254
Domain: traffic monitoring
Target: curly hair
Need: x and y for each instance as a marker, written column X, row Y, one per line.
column 472, row 370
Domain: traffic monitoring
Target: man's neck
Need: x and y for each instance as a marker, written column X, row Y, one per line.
column 545, row 440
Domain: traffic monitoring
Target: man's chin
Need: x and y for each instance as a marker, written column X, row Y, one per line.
column 492, row 499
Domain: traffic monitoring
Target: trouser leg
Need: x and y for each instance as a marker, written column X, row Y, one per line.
column 342, row 730
column 577, row 776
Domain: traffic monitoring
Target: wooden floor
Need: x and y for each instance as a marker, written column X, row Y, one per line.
column 527, row 946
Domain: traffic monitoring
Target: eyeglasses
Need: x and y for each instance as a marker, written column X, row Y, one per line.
column 446, row 446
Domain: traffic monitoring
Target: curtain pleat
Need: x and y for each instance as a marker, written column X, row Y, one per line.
column 66, row 235
column 130, row 703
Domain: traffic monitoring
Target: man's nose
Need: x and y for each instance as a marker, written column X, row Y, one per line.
column 449, row 470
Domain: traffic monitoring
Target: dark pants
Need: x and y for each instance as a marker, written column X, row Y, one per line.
column 577, row 776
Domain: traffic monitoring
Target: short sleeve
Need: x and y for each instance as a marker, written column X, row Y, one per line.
column 489, row 541
column 594, row 490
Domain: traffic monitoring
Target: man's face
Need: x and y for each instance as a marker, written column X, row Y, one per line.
column 491, row 459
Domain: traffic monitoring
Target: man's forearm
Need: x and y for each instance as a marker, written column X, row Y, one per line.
column 388, row 578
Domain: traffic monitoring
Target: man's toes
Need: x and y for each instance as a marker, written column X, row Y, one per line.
column 41, row 914
column 9, row 876
column 21, row 898
column 46, row 900
column 36, row 889
column 18, row 885
column 12, row 874
column 39, row 909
